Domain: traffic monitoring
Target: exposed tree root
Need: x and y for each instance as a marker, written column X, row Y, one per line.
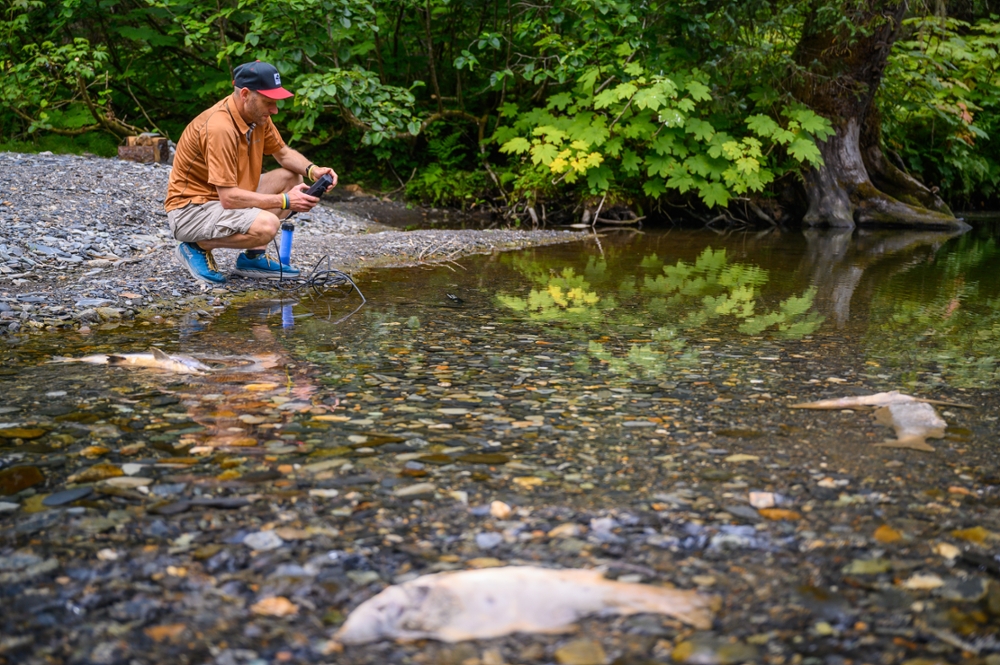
column 842, row 194
column 888, row 177
column 873, row 207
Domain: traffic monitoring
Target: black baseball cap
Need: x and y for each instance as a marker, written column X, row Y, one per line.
column 262, row 77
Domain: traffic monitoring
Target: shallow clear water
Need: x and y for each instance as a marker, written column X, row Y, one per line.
column 921, row 308
column 652, row 340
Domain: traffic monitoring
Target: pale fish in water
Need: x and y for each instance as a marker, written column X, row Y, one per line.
column 914, row 422
column 876, row 400
column 259, row 362
column 481, row 604
column 155, row 359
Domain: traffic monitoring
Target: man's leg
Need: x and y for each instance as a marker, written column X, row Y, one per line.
column 196, row 253
column 265, row 226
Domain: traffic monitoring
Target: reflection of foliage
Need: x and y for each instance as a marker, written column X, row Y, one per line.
column 727, row 290
column 566, row 298
column 694, row 295
column 648, row 360
column 651, row 262
column 596, row 271
column 793, row 318
column 949, row 329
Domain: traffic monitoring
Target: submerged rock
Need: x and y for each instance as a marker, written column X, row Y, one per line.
column 19, row 478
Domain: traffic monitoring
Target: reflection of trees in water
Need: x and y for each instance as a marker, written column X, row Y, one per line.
column 837, row 259
column 713, row 288
column 930, row 306
column 941, row 317
column 683, row 297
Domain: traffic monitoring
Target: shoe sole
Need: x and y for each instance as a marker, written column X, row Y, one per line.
column 191, row 270
column 261, row 274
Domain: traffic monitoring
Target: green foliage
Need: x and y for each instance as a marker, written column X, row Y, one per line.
column 46, row 85
column 941, row 104
column 594, row 138
column 435, row 185
column 565, row 99
column 385, row 111
column 102, row 145
column 448, row 180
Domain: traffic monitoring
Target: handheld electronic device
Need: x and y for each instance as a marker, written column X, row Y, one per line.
column 288, row 229
column 320, row 186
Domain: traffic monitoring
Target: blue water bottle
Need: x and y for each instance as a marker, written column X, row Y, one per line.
column 285, row 247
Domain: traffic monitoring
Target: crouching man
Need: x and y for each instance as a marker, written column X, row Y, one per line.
column 217, row 197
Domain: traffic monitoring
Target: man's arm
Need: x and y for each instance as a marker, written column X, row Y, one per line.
column 296, row 162
column 234, row 198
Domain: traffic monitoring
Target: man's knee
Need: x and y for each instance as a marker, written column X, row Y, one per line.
column 291, row 179
column 265, row 225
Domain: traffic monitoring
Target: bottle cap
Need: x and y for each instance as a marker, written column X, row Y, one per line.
column 287, row 226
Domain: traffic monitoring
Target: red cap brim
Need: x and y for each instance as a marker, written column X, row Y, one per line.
column 276, row 93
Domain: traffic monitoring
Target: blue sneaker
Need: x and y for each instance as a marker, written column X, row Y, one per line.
column 200, row 263
column 262, row 267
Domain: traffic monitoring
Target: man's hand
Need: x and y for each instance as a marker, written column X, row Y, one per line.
column 298, row 200
column 318, row 172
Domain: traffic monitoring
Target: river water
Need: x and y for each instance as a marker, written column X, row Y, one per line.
column 622, row 397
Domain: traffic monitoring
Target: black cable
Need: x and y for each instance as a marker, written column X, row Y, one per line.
column 317, row 279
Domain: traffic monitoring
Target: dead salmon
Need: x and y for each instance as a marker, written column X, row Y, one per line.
column 155, row 359
column 876, row 400
column 914, row 423
column 482, row 604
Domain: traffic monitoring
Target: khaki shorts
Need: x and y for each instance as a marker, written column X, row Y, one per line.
column 207, row 221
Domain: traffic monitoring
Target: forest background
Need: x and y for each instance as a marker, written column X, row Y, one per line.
column 541, row 109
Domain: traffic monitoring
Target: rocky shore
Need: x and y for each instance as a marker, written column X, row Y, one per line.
column 85, row 240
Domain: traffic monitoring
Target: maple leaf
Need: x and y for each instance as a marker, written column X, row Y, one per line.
column 654, row 188
column 516, row 146
column 804, row 150
column 702, row 130
column 631, row 162
column 714, row 194
column 762, row 125
column 543, row 153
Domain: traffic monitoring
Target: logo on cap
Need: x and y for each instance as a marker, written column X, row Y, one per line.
column 277, row 79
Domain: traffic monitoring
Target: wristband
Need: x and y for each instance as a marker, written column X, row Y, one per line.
column 284, row 202
column 309, row 171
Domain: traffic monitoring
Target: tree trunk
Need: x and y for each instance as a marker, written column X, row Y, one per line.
column 840, row 71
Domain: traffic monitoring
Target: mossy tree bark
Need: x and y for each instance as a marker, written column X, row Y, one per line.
column 840, row 67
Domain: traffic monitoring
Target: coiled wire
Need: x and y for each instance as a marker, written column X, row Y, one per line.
column 321, row 279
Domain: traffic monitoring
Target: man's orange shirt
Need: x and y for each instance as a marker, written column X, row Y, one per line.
column 219, row 149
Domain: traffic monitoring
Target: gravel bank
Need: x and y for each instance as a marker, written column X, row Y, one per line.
column 85, row 240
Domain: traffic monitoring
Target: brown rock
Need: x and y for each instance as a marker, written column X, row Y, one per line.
column 581, row 652
column 96, row 473
column 18, row 478
column 275, row 606
column 886, row 534
column 777, row 514
column 484, row 458
column 90, row 452
column 21, row 433
column 169, row 632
